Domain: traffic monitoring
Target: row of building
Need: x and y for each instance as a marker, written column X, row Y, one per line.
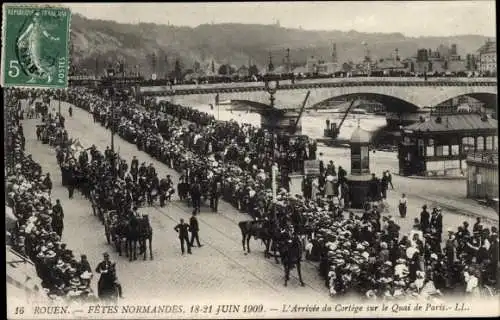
column 442, row 60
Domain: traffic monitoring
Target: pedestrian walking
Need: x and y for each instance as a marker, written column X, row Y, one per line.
column 47, row 182
column 389, row 179
column 58, row 218
column 71, row 182
column 70, row 111
column 214, row 195
column 196, row 196
column 384, row 185
column 183, row 229
column 194, row 228
column 403, row 203
column 425, row 219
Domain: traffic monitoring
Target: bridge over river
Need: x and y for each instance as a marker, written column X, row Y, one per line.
column 398, row 94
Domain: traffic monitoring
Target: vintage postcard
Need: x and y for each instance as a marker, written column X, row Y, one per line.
column 251, row 160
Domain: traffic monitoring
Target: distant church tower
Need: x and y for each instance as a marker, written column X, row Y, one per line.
column 270, row 66
column 396, row 54
column 334, row 52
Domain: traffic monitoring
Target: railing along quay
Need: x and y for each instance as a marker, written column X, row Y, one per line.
column 170, row 91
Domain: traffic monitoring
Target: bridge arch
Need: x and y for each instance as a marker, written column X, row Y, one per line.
column 421, row 95
column 392, row 103
column 489, row 99
column 481, row 92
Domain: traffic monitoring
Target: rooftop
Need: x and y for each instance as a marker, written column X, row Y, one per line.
column 455, row 122
column 488, row 47
column 389, row 64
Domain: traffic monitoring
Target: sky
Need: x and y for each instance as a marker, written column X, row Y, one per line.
column 412, row 18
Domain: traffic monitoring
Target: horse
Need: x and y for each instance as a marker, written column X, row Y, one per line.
column 118, row 232
column 259, row 229
column 133, row 234
column 291, row 255
column 145, row 233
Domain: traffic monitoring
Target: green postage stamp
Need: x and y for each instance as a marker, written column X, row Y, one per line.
column 35, row 46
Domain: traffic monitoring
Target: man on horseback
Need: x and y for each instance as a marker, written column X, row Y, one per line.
column 290, row 248
column 107, row 269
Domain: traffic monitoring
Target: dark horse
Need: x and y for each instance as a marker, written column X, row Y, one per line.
column 133, row 234
column 145, row 234
column 118, row 232
column 259, row 229
column 291, row 254
column 106, row 287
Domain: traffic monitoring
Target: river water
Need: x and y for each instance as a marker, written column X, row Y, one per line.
column 313, row 123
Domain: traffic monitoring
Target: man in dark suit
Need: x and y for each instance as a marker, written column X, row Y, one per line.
column 58, row 218
column 437, row 224
column 424, row 219
column 134, row 168
column 107, row 269
column 47, row 182
column 196, row 196
column 215, row 194
column 183, row 229
column 194, row 228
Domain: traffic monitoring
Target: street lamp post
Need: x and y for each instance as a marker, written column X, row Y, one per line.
column 112, row 96
column 271, row 88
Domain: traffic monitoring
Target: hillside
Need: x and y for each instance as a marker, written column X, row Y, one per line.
column 234, row 43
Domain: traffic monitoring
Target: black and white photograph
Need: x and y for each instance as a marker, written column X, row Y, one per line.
column 242, row 160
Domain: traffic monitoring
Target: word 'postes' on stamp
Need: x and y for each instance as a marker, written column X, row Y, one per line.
column 35, row 46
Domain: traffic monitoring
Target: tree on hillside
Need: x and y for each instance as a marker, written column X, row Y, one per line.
column 187, row 72
column 253, row 70
column 153, row 61
column 224, row 69
column 178, row 69
column 165, row 63
column 196, row 66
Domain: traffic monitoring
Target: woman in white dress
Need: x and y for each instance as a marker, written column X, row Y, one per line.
column 315, row 188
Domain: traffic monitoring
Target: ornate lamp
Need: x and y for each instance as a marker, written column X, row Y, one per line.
column 271, row 88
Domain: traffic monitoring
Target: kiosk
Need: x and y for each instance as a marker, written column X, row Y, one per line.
column 359, row 178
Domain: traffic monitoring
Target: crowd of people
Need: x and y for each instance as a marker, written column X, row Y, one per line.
column 40, row 222
column 359, row 254
column 364, row 254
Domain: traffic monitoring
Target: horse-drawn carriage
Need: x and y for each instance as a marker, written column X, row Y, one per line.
column 126, row 231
